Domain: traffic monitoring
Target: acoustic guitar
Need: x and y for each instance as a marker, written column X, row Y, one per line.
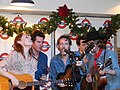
column 98, row 81
column 26, row 82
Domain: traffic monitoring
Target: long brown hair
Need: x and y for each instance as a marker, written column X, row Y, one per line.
column 18, row 47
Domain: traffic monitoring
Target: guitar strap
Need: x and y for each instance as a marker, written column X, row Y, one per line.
column 43, row 66
column 33, row 55
column 104, row 56
column 97, row 56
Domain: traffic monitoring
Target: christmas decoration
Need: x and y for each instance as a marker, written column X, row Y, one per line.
column 56, row 19
column 11, row 27
column 60, row 19
column 63, row 11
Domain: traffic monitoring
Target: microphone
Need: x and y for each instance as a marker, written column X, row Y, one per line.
column 71, row 53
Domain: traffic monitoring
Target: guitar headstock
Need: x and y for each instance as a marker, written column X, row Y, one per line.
column 67, row 82
column 89, row 47
column 108, row 62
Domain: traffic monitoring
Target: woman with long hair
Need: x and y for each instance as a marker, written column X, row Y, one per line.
column 20, row 60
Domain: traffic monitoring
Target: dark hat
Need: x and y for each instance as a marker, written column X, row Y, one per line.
column 93, row 35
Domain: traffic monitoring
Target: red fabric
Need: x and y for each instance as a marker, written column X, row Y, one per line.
column 97, row 56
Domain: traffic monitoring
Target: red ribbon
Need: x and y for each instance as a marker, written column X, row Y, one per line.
column 96, row 56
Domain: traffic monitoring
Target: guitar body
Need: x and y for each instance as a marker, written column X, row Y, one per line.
column 95, row 80
column 85, row 85
column 90, row 86
column 68, row 74
column 103, row 81
column 98, row 83
column 27, row 88
column 5, row 83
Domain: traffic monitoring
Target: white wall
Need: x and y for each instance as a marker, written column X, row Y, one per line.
column 81, row 6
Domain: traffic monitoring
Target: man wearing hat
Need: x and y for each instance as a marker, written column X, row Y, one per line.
column 99, row 55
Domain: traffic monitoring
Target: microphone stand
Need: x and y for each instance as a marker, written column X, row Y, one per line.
column 72, row 59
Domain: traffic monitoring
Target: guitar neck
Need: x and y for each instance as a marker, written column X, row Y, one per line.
column 42, row 82
column 35, row 83
column 106, row 64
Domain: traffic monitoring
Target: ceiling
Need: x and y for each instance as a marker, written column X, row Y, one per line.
column 101, row 8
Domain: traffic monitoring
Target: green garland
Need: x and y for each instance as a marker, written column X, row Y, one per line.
column 55, row 18
column 9, row 28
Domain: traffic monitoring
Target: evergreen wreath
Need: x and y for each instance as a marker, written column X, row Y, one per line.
column 63, row 14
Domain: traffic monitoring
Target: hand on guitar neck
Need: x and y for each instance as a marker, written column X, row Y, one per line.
column 100, row 70
column 107, row 71
column 104, row 71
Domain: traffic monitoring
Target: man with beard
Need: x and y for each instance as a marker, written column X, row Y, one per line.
column 59, row 63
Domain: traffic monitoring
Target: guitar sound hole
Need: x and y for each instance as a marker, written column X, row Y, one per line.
column 22, row 85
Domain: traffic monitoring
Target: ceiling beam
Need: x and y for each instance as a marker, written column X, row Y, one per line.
column 36, row 12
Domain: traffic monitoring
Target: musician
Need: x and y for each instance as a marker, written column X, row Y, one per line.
column 59, row 62
column 100, row 54
column 20, row 60
column 81, row 50
column 41, row 58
